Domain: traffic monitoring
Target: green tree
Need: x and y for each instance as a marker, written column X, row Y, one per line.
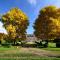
column 16, row 23
column 47, row 25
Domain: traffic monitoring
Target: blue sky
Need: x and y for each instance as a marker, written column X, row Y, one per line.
column 29, row 7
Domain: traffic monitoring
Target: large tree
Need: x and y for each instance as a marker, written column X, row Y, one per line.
column 15, row 22
column 47, row 25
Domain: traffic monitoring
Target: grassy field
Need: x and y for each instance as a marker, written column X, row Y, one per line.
column 54, row 50
column 19, row 53
column 51, row 45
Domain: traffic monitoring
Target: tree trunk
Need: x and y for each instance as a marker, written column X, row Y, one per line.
column 14, row 42
column 57, row 41
column 46, row 44
column 0, row 42
column 58, row 44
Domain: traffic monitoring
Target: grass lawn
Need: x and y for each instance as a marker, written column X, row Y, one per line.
column 51, row 44
column 52, row 49
column 14, row 53
column 6, row 48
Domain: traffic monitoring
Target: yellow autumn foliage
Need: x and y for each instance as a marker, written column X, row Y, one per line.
column 47, row 25
column 15, row 22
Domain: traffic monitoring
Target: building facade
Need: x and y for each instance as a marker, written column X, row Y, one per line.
column 31, row 38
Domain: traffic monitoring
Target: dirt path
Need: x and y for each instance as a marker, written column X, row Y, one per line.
column 40, row 52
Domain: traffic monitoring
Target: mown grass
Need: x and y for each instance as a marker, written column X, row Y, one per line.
column 52, row 49
column 14, row 53
column 4, row 48
column 29, row 58
column 51, row 45
column 24, row 56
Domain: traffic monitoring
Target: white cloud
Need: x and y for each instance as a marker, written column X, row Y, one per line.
column 2, row 29
column 33, row 2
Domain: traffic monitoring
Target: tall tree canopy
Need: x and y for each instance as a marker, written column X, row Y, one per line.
column 15, row 22
column 47, row 25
